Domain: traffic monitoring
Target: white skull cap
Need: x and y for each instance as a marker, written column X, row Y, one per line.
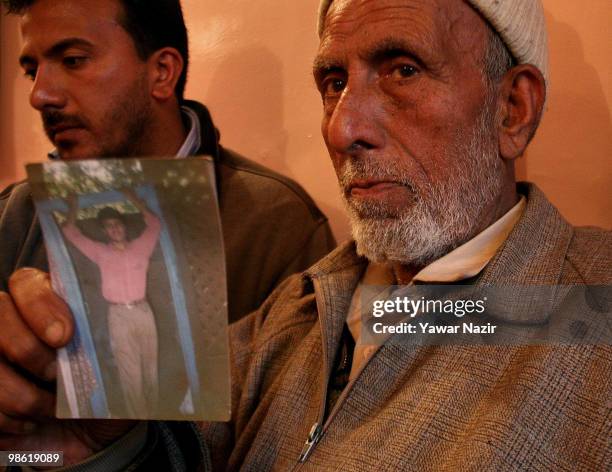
column 519, row 23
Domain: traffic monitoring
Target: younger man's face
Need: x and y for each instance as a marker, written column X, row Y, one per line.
column 115, row 230
column 89, row 83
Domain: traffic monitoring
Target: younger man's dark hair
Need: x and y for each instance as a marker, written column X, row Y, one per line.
column 109, row 213
column 152, row 24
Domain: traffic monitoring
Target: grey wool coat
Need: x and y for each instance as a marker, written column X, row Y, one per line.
column 435, row 408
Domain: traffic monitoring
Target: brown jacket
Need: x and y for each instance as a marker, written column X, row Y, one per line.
column 438, row 408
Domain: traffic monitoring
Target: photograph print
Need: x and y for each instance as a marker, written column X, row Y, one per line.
column 135, row 249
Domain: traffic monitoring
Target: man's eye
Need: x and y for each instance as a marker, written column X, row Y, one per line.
column 74, row 62
column 404, row 71
column 332, row 86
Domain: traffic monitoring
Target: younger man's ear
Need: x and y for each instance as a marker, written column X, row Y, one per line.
column 523, row 93
column 165, row 67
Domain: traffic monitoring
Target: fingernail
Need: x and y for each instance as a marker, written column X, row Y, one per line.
column 54, row 332
column 51, row 371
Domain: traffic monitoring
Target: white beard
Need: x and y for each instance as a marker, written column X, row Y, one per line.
column 443, row 215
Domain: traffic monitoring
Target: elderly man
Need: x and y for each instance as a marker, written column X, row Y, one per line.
column 426, row 105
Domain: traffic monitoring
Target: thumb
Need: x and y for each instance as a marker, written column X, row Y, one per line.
column 41, row 308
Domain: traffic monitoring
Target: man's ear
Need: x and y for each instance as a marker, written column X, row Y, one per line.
column 523, row 93
column 165, row 67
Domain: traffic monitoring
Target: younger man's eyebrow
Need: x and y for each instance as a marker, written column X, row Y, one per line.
column 56, row 50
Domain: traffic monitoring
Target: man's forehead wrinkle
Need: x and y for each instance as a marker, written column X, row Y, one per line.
column 347, row 19
column 354, row 23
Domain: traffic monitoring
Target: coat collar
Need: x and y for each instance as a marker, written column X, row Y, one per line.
column 209, row 134
column 335, row 278
column 535, row 251
column 533, row 255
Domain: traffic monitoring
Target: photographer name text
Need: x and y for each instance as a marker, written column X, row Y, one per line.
column 428, row 328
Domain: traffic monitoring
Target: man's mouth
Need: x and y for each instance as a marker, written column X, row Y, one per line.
column 63, row 132
column 61, row 126
column 372, row 188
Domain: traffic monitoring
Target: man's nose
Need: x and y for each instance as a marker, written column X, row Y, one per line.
column 47, row 91
column 354, row 123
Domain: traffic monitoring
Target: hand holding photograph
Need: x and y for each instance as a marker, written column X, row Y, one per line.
column 135, row 248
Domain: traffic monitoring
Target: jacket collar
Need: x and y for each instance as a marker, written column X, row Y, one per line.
column 533, row 255
column 535, row 250
column 335, row 278
column 209, row 134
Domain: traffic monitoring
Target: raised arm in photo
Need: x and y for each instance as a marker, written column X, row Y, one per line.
column 148, row 239
column 91, row 249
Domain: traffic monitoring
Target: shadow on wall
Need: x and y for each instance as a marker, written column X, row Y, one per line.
column 255, row 104
column 570, row 158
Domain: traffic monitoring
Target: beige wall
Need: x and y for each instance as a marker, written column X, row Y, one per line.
column 251, row 66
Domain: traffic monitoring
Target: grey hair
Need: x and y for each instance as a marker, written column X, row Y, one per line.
column 497, row 59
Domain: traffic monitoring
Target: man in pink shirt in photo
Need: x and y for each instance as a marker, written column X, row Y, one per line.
column 123, row 265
